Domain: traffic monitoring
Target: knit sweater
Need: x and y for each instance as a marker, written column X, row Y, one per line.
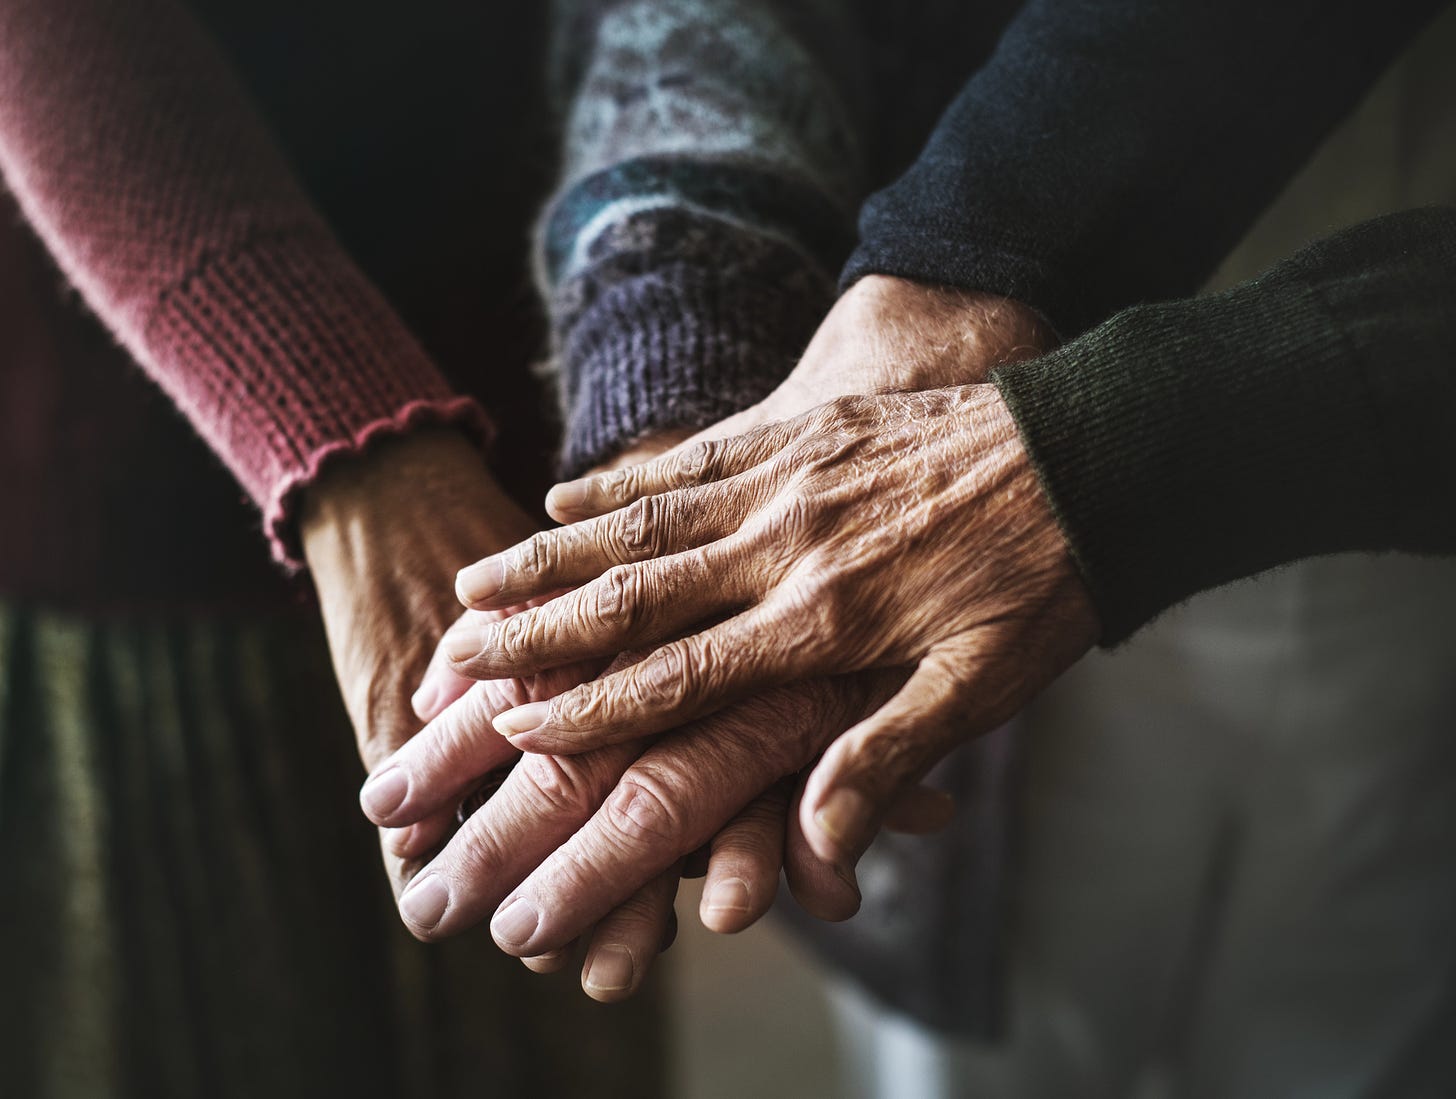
column 713, row 161
column 1309, row 411
column 138, row 161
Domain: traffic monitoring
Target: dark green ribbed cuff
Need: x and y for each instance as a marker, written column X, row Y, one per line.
column 1189, row 444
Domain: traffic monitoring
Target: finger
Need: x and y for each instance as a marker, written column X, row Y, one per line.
column 692, row 463
column 399, row 871
column 628, row 939
column 629, row 606
column 654, row 526
column 674, row 684
column 447, row 759
column 541, row 804
column 826, row 890
column 553, row 962
column 421, row 839
column 672, row 800
column 676, row 797
column 743, row 868
column 864, row 772
column 440, row 685
column 433, row 769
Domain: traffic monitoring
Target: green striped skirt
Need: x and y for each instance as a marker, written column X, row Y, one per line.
column 193, row 906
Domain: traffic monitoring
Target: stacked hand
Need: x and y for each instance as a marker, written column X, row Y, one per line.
column 871, row 581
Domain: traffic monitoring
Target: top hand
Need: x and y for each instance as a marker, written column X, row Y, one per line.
column 874, row 532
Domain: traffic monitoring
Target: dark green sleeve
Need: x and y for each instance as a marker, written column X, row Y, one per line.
column 1310, row 411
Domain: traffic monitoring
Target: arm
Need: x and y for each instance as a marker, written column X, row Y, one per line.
column 1310, row 411
column 1110, row 153
column 140, row 164
column 712, row 167
column 138, row 161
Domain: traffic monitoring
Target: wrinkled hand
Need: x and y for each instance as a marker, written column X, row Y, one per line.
column 545, row 801
column 607, row 831
column 889, row 335
column 384, row 535
column 903, row 530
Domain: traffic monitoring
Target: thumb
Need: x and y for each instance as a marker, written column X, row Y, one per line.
column 868, row 777
column 440, row 685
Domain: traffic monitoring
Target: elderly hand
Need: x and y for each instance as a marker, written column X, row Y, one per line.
column 545, row 801
column 599, row 836
column 889, row 335
column 384, row 534
column 899, row 531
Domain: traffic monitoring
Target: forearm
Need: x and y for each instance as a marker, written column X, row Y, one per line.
column 1111, row 153
column 710, row 172
column 139, row 162
column 1310, row 411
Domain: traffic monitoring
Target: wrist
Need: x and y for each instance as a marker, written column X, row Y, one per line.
column 429, row 489
column 890, row 334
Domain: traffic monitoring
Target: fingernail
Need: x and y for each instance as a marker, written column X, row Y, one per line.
column 397, row 839
column 424, row 700
column 462, row 646
column 567, row 497
column 478, row 582
column 729, row 895
column 425, row 901
column 383, row 793
column 610, row 970
column 843, row 815
column 515, row 923
column 523, row 719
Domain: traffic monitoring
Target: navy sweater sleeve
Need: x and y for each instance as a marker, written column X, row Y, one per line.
column 1112, row 151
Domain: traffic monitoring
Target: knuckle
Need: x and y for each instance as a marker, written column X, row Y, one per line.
column 666, row 679
column 561, row 786
column 637, row 529
column 617, row 485
column 514, row 636
column 793, row 519
column 586, row 707
column 617, row 595
column 535, row 557
column 697, row 462
column 642, row 813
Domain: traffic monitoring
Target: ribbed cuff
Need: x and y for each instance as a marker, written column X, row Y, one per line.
column 682, row 346
column 1189, row 444
column 293, row 358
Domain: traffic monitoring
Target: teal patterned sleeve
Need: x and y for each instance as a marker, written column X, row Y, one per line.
column 712, row 163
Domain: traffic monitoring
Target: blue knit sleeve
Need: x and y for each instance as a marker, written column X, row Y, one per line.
column 712, row 164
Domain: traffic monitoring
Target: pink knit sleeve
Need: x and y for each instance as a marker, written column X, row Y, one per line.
column 137, row 159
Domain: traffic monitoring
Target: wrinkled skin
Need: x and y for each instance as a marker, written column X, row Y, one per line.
column 874, row 532
column 384, row 536
column 886, row 334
